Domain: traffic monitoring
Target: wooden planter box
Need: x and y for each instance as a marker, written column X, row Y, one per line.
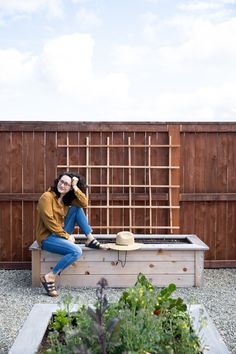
column 31, row 334
column 164, row 263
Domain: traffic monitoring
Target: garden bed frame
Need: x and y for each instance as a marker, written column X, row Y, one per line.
column 163, row 263
column 31, row 334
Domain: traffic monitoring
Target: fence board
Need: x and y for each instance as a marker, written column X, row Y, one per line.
column 231, row 231
column 174, row 177
column 187, row 219
column 5, row 232
column 51, row 159
column 160, row 155
column 73, row 152
column 200, row 220
column 222, row 163
column 200, row 162
column 17, row 162
column 61, row 152
column 140, row 177
column 211, row 163
column 119, row 156
column 231, row 162
column 28, row 162
column 5, row 162
column 17, row 235
column 95, row 176
column 39, row 162
column 188, row 175
column 211, row 229
column 81, row 127
column 28, row 235
column 220, row 244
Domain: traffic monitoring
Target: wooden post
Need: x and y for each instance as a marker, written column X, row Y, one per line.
column 199, row 268
column 170, row 189
column 67, row 153
column 108, row 181
column 87, row 171
column 174, row 175
column 36, row 267
column 130, row 184
column 150, row 182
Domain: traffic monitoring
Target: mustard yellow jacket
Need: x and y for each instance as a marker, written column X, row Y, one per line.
column 51, row 214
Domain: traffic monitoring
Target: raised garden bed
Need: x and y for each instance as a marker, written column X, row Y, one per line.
column 33, row 331
column 165, row 259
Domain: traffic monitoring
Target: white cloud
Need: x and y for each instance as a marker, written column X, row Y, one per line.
column 208, row 46
column 192, row 78
column 67, row 62
column 200, row 6
column 151, row 26
column 210, row 103
column 206, row 5
column 88, row 19
column 217, row 10
column 205, row 103
column 80, row 1
column 12, row 7
column 153, row 1
column 129, row 58
column 18, row 67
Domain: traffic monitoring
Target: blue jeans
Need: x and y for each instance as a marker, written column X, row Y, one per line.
column 60, row 245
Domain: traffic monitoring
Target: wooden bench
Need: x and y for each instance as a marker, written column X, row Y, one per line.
column 164, row 263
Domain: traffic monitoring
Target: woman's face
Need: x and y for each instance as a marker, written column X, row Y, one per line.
column 64, row 184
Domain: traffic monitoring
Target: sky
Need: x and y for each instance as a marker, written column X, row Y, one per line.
column 118, row 60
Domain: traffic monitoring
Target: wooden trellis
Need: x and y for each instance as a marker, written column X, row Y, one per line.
column 129, row 168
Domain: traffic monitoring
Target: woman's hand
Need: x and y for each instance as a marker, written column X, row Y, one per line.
column 71, row 238
column 74, row 182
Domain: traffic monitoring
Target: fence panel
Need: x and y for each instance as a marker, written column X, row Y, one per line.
column 31, row 153
column 208, row 186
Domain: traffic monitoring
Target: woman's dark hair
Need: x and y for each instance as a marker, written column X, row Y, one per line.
column 70, row 196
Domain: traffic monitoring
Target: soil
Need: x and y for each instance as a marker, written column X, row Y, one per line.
column 147, row 240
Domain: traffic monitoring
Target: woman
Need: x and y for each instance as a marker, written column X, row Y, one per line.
column 59, row 210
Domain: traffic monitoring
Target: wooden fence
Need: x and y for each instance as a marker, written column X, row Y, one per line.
column 144, row 177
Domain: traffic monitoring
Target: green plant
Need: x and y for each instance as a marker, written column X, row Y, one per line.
column 86, row 329
column 142, row 321
column 60, row 321
column 105, row 331
column 155, row 322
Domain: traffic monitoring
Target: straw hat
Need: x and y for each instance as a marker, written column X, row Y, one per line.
column 124, row 242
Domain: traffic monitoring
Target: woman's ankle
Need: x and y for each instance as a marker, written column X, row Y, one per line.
column 89, row 238
column 50, row 276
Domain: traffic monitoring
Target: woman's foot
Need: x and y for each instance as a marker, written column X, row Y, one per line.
column 95, row 244
column 89, row 239
column 50, row 277
column 48, row 281
column 91, row 242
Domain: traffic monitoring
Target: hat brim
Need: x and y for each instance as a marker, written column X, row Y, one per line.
column 114, row 246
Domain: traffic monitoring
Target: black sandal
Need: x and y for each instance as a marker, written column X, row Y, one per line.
column 49, row 286
column 95, row 244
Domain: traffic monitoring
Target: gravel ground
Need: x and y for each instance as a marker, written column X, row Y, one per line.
column 17, row 298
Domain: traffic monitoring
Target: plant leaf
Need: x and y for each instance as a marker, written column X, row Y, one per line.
column 114, row 329
column 93, row 314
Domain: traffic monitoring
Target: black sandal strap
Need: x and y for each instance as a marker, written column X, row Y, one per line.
column 51, row 286
column 94, row 244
